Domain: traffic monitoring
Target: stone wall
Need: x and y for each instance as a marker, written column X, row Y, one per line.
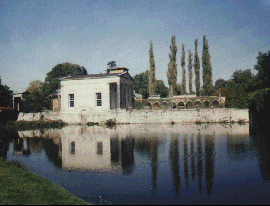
column 46, row 115
column 160, row 116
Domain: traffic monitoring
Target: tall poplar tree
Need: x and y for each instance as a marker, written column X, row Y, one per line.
column 190, row 74
column 183, row 91
column 172, row 67
column 152, row 73
column 207, row 69
column 197, row 69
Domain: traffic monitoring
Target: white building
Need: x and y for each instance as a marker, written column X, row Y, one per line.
column 82, row 95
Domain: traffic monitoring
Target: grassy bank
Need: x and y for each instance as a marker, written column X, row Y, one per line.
column 28, row 125
column 19, row 186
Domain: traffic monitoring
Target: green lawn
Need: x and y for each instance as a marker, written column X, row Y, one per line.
column 19, row 186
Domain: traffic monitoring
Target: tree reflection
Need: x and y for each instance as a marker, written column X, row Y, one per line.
column 192, row 154
column 154, row 161
column 199, row 161
column 127, row 155
column 4, row 143
column 263, row 147
column 53, row 152
column 186, row 159
column 174, row 156
column 237, row 146
column 209, row 145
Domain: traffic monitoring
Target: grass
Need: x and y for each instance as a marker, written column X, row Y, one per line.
column 20, row 187
column 28, row 125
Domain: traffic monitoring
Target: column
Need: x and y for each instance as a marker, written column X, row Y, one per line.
column 58, row 102
column 118, row 95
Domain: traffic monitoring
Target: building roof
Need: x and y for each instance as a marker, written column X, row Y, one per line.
column 93, row 76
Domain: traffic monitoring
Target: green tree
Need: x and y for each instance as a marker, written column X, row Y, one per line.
column 172, row 67
column 161, row 89
column 263, row 68
column 197, row 69
column 111, row 64
column 190, row 74
column 52, row 80
column 36, row 96
column 183, row 91
column 152, row 75
column 207, row 69
column 5, row 96
column 141, row 84
column 244, row 79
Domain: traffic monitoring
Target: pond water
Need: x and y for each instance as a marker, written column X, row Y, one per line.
column 151, row 163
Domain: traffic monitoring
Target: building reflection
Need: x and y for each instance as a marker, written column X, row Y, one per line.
column 174, row 156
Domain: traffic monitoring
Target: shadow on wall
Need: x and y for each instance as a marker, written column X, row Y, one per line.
column 7, row 115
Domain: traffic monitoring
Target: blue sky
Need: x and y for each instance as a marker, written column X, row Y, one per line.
column 36, row 35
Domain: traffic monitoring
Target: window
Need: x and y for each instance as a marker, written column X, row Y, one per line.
column 99, row 100
column 99, row 148
column 71, row 100
column 72, row 149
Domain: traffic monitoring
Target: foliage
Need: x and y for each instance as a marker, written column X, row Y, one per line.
column 190, row 74
column 141, row 85
column 52, row 80
column 152, row 75
column 19, row 186
column 5, row 96
column 263, row 68
column 183, row 91
column 161, row 89
column 236, row 96
column 207, row 69
column 27, row 125
column 197, row 68
column 172, row 67
column 178, row 89
column 111, row 64
column 36, row 96
column 256, row 98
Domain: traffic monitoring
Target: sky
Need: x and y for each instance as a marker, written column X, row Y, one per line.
column 37, row 35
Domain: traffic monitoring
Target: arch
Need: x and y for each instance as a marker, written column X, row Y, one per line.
column 156, row 105
column 83, row 116
column 206, row 104
column 216, row 104
column 198, row 104
column 181, row 105
column 149, row 105
column 189, row 105
column 164, row 105
column 173, row 105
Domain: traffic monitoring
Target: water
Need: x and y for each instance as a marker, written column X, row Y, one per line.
column 151, row 163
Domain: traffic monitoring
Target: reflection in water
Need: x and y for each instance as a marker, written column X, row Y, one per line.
column 154, row 161
column 237, row 146
column 209, row 145
column 199, row 161
column 127, row 155
column 192, row 154
column 186, row 172
column 108, row 152
column 174, row 156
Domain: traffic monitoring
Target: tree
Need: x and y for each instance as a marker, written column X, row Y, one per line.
column 52, row 80
column 263, row 68
column 111, row 64
column 141, row 84
column 190, row 74
column 197, row 69
column 183, row 91
column 244, row 79
column 161, row 89
column 207, row 69
column 172, row 67
column 36, row 96
column 5, row 96
column 152, row 75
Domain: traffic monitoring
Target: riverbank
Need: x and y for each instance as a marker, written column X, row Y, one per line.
column 19, row 186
